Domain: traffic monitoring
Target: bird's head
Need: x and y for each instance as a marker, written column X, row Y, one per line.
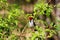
column 30, row 18
column 31, row 21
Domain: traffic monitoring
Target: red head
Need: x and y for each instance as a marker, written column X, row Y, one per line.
column 30, row 18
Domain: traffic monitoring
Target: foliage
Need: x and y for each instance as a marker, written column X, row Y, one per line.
column 39, row 34
column 9, row 22
column 3, row 4
column 42, row 9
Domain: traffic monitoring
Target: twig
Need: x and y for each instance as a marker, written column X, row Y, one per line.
column 24, row 28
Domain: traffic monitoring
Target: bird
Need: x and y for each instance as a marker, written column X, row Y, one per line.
column 31, row 22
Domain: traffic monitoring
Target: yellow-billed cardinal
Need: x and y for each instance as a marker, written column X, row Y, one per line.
column 31, row 22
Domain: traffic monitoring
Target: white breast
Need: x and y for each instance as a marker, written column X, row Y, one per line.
column 31, row 23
